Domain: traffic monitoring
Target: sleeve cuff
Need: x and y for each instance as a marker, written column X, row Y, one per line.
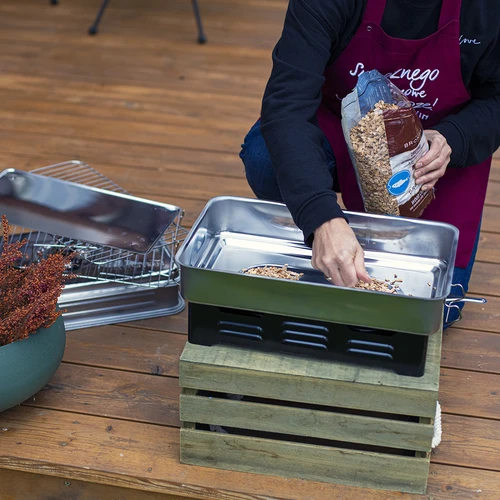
column 456, row 141
column 316, row 212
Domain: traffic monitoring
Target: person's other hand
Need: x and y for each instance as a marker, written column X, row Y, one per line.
column 432, row 166
column 337, row 253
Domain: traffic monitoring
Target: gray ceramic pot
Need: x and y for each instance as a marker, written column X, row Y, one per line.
column 27, row 365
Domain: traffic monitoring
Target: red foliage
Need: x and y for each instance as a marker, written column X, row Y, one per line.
column 28, row 294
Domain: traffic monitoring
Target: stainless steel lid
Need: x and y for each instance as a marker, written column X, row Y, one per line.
column 59, row 207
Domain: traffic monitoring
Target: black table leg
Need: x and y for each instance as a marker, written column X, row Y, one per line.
column 94, row 27
column 201, row 35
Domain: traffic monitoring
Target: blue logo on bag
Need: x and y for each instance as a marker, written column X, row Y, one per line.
column 399, row 183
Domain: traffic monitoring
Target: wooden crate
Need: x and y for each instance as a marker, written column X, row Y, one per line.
column 305, row 418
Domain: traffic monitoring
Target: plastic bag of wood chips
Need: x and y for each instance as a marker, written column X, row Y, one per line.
column 385, row 139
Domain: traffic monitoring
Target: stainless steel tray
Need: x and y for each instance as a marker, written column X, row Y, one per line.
column 82, row 212
column 113, row 285
column 235, row 233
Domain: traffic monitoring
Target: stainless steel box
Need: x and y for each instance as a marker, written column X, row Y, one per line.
column 234, row 233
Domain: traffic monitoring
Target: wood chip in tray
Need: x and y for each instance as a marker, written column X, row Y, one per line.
column 376, row 285
column 274, row 272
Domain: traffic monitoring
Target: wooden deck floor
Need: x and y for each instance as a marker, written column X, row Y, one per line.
column 164, row 118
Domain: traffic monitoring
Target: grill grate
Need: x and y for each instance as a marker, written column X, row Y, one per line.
column 103, row 263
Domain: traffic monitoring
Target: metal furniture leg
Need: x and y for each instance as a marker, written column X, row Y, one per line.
column 201, row 34
column 94, row 27
column 196, row 10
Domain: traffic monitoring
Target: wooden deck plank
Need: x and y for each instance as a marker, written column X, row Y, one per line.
column 470, row 393
column 483, row 317
column 214, row 68
column 471, row 350
column 132, row 349
column 29, row 486
column 491, row 220
column 469, row 442
column 145, row 456
column 495, row 169
column 160, row 105
column 33, row 150
column 493, row 193
column 111, row 393
column 489, row 247
column 461, row 483
column 205, row 135
column 485, row 280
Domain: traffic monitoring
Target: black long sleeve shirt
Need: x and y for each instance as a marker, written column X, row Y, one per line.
column 315, row 32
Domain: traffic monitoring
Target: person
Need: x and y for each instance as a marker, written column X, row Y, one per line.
column 443, row 54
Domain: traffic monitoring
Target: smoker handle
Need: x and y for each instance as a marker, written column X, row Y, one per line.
column 457, row 300
column 453, row 303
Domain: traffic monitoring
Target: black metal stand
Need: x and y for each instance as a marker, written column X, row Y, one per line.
column 93, row 29
column 196, row 11
column 403, row 353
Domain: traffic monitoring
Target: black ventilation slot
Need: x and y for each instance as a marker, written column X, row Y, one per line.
column 304, row 335
column 304, row 327
column 241, row 335
column 304, row 343
column 241, row 330
column 313, row 337
column 368, row 348
column 374, row 354
column 370, row 345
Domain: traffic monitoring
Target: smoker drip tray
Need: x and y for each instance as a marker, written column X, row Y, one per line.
column 402, row 353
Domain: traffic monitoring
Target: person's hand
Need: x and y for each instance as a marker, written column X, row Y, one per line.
column 337, row 253
column 432, row 166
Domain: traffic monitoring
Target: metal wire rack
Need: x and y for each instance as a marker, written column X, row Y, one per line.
column 103, row 263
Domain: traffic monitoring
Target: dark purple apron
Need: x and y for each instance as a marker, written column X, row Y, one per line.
column 428, row 71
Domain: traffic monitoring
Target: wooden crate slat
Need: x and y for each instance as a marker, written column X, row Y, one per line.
column 305, row 422
column 317, row 463
column 307, row 380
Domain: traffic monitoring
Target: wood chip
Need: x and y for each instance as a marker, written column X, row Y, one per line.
column 274, row 272
column 378, row 286
column 371, row 152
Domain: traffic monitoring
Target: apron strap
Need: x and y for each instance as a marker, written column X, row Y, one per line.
column 450, row 11
column 374, row 11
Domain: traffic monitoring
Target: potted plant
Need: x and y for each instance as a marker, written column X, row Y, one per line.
column 32, row 333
